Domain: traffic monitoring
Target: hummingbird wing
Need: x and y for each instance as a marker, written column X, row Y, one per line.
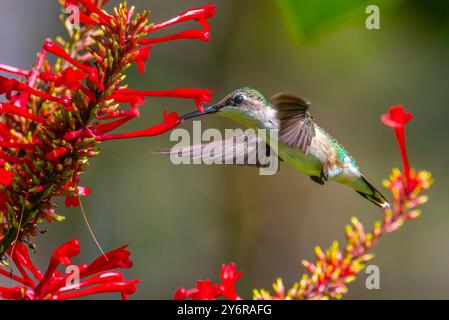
column 243, row 149
column 296, row 125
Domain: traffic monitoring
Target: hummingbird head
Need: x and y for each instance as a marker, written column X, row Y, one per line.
column 245, row 105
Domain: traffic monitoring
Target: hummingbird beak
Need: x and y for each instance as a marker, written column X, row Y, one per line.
column 198, row 113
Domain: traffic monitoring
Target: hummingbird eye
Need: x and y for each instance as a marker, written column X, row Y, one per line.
column 238, row 99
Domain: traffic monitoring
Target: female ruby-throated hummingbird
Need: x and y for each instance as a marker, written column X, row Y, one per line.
column 301, row 142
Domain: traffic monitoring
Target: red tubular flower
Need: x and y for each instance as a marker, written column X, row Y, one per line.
column 71, row 135
column 229, row 277
column 118, row 258
column 24, row 146
column 18, row 111
column 25, row 88
column 133, row 100
column 200, row 14
column 16, row 71
column 119, row 114
column 96, row 277
column 55, row 155
column 200, row 96
column 8, row 85
column 397, row 118
column 107, row 127
column 143, row 54
column 6, row 177
column 203, row 35
column 60, row 52
column 4, row 156
column 70, row 78
column 74, row 201
column 47, row 142
column 84, row 18
column 205, row 290
column 180, row 294
column 170, row 121
column 91, row 7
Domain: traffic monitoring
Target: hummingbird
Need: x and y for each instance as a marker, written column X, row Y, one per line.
column 301, row 142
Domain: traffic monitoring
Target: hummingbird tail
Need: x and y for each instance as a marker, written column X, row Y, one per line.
column 374, row 196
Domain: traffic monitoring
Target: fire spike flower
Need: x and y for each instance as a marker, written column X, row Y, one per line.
column 334, row 268
column 83, row 280
column 205, row 290
column 56, row 114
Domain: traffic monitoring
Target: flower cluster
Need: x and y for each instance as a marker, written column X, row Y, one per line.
column 96, row 277
column 327, row 278
column 56, row 114
column 396, row 119
column 205, row 290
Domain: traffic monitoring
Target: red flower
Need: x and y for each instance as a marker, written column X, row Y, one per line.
column 16, row 71
column 55, row 155
column 96, row 277
column 91, row 7
column 84, row 17
column 200, row 96
column 9, row 85
column 180, row 294
column 229, row 277
column 60, row 52
column 397, row 118
column 200, row 14
column 143, row 54
column 74, row 201
column 18, row 111
column 170, row 121
column 70, row 78
column 205, row 290
column 78, row 191
column 18, row 145
column 57, row 112
column 133, row 100
column 6, row 177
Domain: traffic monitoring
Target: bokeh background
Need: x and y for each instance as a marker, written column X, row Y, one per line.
column 183, row 222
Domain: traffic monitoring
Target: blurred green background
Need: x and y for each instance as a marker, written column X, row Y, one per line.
column 183, row 222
